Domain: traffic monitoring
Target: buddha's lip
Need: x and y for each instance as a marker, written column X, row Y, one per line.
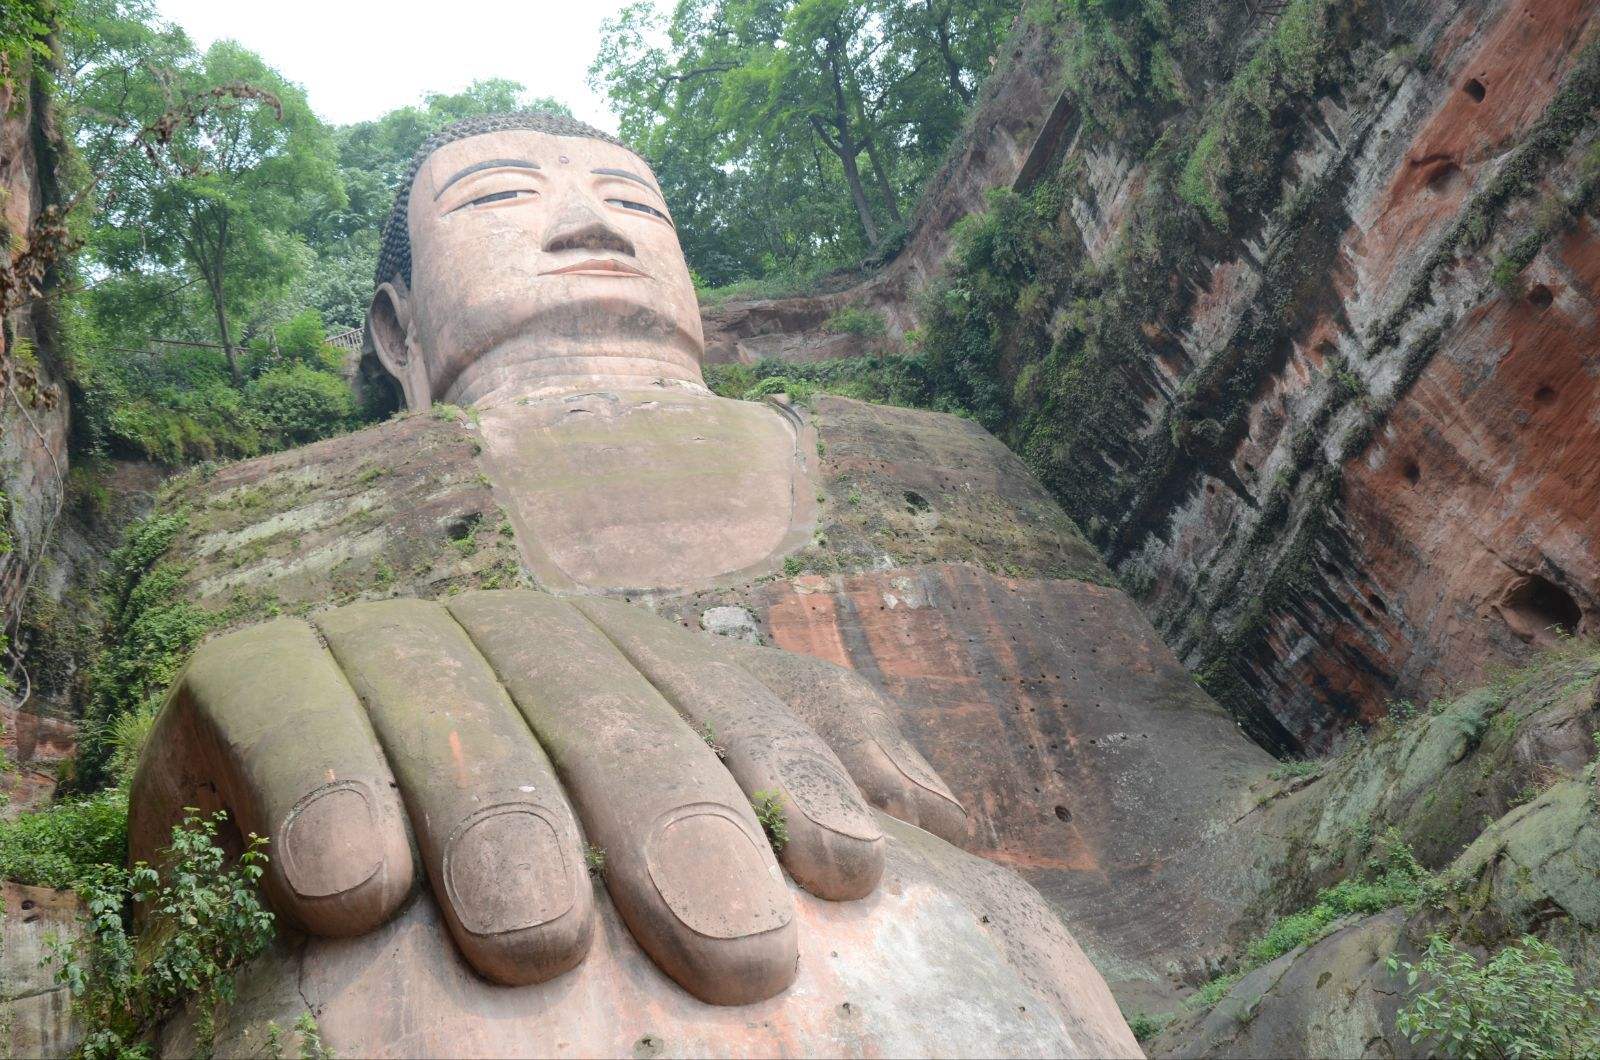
column 595, row 267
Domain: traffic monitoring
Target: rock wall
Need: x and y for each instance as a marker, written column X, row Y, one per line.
column 1494, row 789
column 1353, row 453
column 1440, row 519
column 33, row 422
column 35, row 1012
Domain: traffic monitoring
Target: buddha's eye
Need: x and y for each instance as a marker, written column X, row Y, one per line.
column 497, row 196
column 639, row 207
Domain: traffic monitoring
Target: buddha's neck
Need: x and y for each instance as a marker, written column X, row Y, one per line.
column 512, row 374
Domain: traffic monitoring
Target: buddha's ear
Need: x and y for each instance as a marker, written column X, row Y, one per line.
column 389, row 322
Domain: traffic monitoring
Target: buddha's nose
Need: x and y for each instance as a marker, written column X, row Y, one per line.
column 578, row 227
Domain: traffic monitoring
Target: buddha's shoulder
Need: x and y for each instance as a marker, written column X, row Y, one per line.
column 914, row 486
column 406, row 508
column 399, row 508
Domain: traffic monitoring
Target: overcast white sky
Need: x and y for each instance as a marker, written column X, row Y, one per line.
column 360, row 58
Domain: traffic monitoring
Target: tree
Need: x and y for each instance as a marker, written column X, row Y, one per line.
column 222, row 215
column 765, row 117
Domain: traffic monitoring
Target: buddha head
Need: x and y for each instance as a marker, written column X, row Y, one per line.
column 529, row 254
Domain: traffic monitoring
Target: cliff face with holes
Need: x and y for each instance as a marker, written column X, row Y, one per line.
column 1332, row 415
column 1412, row 492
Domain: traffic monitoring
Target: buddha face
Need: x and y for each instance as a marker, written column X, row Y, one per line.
column 539, row 264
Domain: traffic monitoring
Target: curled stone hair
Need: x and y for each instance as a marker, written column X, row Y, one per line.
column 394, row 255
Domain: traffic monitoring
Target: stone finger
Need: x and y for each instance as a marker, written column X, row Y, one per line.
column 854, row 717
column 497, row 836
column 262, row 721
column 686, row 863
column 834, row 848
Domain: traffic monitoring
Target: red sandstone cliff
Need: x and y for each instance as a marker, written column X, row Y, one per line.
column 33, row 427
column 1406, row 492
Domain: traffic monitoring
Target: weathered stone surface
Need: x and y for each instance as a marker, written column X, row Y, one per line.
column 1459, row 531
column 1086, row 757
column 33, row 438
column 1336, row 997
column 735, row 622
column 406, row 509
column 1030, row 692
column 650, row 488
column 902, row 487
column 34, row 745
column 954, row 956
column 35, row 1013
column 33, row 418
column 1515, row 753
column 1435, row 779
column 1477, row 476
column 397, row 509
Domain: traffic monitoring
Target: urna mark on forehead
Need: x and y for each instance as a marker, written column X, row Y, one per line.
column 528, row 149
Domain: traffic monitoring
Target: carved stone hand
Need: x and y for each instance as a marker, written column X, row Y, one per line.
column 494, row 735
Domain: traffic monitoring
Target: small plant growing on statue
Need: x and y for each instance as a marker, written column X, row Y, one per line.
column 594, row 857
column 205, row 920
column 769, row 811
column 708, row 733
column 1522, row 1002
column 311, row 1045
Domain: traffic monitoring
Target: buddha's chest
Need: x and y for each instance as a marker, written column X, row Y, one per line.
column 649, row 489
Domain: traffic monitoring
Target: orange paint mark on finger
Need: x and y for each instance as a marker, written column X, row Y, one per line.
column 457, row 757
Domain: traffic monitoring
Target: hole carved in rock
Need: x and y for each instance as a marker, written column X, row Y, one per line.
column 1539, row 611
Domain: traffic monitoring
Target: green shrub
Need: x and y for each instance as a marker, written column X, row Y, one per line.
column 1296, row 770
column 854, row 320
column 176, row 427
column 203, row 919
column 1215, row 990
column 150, row 630
column 68, row 844
column 1523, row 1002
column 300, row 340
column 298, row 404
column 1393, row 878
column 1146, row 1027
column 177, row 405
column 885, row 380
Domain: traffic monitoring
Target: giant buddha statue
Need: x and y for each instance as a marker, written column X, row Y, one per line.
column 544, row 820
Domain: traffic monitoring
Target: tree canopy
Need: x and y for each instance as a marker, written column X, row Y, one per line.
column 791, row 134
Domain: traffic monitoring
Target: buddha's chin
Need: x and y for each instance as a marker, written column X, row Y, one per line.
column 517, row 374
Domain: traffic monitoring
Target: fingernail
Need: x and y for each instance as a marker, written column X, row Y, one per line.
column 506, row 870
column 330, row 843
column 906, row 758
column 714, row 878
column 825, row 795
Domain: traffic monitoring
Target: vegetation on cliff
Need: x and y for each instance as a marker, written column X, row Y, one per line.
column 1436, row 875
